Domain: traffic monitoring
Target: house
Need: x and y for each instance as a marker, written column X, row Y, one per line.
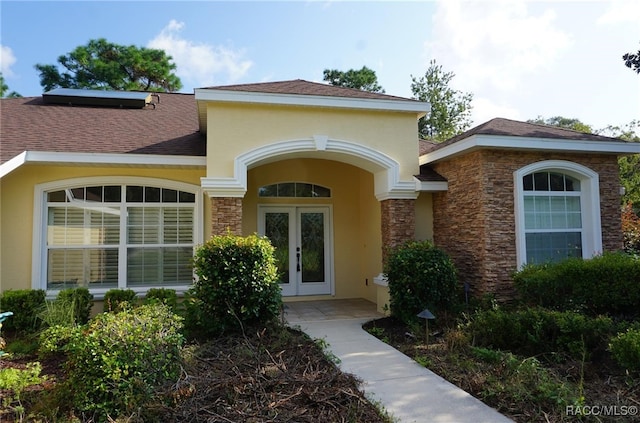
column 106, row 190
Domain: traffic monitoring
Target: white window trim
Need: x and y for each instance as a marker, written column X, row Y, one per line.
column 589, row 205
column 39, row 248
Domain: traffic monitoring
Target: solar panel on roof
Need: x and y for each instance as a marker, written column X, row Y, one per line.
column 72, row 96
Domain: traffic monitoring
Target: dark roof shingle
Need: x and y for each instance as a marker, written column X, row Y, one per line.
column 28, row 124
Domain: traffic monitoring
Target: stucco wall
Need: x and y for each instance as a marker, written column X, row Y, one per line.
column 356, row 218
column 17, row 202
column 474, row 220
column 236, row 129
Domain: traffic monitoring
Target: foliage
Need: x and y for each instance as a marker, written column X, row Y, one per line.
column 364, row 79
column 117, row 299
column 237, row 284
column 450, row 113
column 25, row 305
column 632, row 61
column 4, row 89
column 103, row 65
column 420, row 276
column 164, row 296
column 119, row 361
column 625, row 348
column 630, row 230
column 14, row 381
column 536, row 331
column 629, row 165
column 71, row 307
column 563, row 122
column 606, row 284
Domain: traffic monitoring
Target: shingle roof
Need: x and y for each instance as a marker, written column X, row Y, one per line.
column 427, row 174
column 302, row 87
column 514, row 128
column 171, row 128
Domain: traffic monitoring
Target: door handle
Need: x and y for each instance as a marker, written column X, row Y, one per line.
column 298, row 259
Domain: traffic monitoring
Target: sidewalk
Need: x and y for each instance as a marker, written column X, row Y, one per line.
column 406, row 390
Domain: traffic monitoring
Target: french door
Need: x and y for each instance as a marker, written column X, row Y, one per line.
column 302, row 238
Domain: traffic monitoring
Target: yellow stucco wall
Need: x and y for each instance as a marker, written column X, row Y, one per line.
column 17, row 202
column 356, row 216
column 236, row 129
column 424, row 217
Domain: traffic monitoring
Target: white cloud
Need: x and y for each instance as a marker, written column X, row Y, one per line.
column 485, row 109
column 201, row 63
column 494, row 44
column 621, row 11
column 7, row 59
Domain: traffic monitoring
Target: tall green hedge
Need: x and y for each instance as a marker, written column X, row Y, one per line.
column 25, row 304
column 606, row 284
column 421, row 276
column 237, row 285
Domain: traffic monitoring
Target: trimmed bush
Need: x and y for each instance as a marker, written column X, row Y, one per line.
column 537, row 331
column 25, row 304
column 117, row 299
column 607, row 284
column 119, row 362
column 421, row 276
column 237, row 285
column 625, row 348
column 164, row 296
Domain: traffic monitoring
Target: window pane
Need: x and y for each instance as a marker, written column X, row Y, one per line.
column 57, row 197
column 94, row 194
column 113, row 194
column 135, row 194
column 304, row 190
column 556, row 181
column 77, row 193
column 169, row 195
column 143, row 266
column 143, row 225
column 541, row 181
column 319, row 191
column 268, row 191
column 187, row 197
column 527, row 182
column 287, row 189
column 553, row 247
column 151, row 195
column 572, row 184
column 69, row 268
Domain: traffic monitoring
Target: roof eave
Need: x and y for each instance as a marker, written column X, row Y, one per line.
column 106, row 159
column 479, row 141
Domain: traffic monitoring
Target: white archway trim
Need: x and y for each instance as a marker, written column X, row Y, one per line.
column 589, row 203
column 385, row 169
column 39, row 251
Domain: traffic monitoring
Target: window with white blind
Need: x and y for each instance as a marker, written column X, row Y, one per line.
column 119, row 236
column 557, row 212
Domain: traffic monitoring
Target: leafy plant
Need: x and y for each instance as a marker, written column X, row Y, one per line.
column 25, row 305
column 79, row 300
column 421, row 276
column 117, row 299
column 625, row 348
column 164, row 296
column 237, row 284
column 119, row 361
column 14, row 381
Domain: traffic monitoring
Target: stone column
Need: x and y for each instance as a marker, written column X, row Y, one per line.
column 226, row 214
column 398, row 221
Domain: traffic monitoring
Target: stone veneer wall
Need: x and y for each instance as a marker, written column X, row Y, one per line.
column 226, row 214
column 474, row 220
column 398, row 223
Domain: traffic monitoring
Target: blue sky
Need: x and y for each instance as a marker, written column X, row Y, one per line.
column 520, row 59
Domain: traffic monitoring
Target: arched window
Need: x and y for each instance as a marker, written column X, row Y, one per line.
column 557, row 212
column 137, row 234
column 294, row 190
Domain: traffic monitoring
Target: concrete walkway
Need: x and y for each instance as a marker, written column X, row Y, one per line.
column 406, row 390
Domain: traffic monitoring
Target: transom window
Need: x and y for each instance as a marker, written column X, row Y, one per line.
column 294, row 189
column 121, row 235
column 557, row 212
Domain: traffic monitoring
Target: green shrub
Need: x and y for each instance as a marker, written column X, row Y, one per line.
column 626, row 349
column 536, row 331
column 117, row 299
column 164, row 296
column 119, row 361
column 80, row 301
column 607, row 284
column 421, row 276
column 237, row 285
column 25, row 305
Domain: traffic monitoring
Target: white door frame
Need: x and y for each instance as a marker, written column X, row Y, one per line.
column 296, row 287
